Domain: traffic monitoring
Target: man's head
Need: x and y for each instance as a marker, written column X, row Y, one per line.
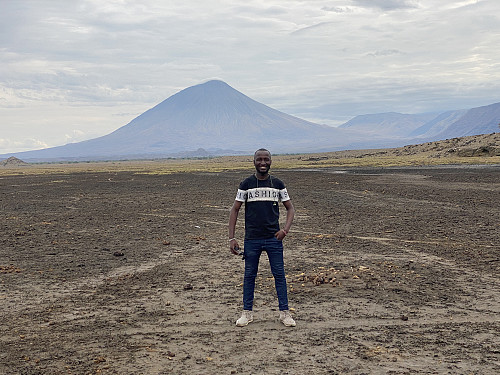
column 262, row 161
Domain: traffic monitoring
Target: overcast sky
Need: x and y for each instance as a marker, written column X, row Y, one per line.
column 74, row 70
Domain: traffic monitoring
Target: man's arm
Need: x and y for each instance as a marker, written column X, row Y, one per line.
column 290, row 213
column 233, row 217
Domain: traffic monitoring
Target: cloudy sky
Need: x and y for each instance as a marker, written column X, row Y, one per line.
column 74, row 70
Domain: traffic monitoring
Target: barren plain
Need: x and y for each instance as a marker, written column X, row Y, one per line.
column 390, row 270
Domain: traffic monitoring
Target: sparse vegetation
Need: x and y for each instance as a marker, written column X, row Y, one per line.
column 479, row 149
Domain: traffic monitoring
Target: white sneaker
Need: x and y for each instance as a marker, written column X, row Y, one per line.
column 246, row 317
column 286, row 318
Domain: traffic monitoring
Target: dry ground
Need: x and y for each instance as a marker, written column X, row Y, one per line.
column 390, row 271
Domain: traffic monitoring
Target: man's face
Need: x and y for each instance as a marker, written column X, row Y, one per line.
column 262, row 162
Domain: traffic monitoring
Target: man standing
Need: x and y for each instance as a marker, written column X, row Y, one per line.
column 261, row 193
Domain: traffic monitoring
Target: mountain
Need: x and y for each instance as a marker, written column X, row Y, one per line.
column 212, row 118
column 480, row 120
column 427, row 127
column 438, row 124
column 390, row 124
column 215, row 119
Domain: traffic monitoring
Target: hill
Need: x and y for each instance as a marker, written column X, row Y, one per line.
column 13, row 162
column 483, row 145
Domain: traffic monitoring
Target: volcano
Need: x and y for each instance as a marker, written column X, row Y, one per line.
column 207, row 119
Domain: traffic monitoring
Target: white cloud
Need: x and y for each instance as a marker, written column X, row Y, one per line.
column 387, row 4
column 74, row 65
column 11, row 146
column 75, row 136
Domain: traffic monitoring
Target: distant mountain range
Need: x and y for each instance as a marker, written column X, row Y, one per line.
column 429, row 126
column 214, row 119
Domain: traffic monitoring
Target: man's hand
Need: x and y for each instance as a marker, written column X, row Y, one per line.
column 233, row 244
column 280, row 235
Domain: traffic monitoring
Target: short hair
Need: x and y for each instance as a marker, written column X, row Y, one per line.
column 261, row 149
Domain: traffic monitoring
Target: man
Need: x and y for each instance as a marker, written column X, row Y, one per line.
column 261, row 194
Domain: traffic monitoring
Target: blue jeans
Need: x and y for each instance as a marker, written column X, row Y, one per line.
column 274, row 250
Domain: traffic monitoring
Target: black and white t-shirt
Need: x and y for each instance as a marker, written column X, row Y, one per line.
column 261, row 199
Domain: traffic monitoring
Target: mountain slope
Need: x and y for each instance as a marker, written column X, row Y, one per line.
column 391, row 124
column 480, row 120
column 438, row 124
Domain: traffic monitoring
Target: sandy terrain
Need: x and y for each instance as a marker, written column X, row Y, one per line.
column 390, row 271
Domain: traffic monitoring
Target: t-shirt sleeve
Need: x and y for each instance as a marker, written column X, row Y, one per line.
column 284, row 195
column 241, row 195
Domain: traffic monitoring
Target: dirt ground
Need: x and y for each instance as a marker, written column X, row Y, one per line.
column 390, row 271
